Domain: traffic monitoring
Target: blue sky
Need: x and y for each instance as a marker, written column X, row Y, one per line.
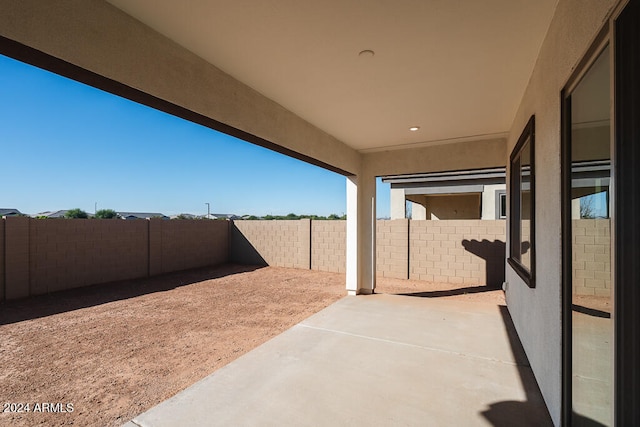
column 66, row 145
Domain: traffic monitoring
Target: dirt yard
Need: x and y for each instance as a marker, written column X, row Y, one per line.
column 106, row 353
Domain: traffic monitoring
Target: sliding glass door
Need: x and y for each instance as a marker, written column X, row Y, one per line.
column 588, row 278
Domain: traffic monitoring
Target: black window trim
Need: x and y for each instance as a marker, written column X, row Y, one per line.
column 499, row 195
column 527, row 275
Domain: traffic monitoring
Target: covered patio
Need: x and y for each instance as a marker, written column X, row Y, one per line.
column 377, row 360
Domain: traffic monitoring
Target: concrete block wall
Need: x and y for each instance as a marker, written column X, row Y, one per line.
column 16, row 257
column 451, row 251
column 67, row 254
column 2, row 285
column 189, row 244
column 392, row 248
column 591, row 257
column 41, row 256
column 280, row 243
column 328, row 245
column 458, row 251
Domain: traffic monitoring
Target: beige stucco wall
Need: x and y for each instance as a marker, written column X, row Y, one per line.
column 536, row 312
column 489, row 210
column 98, row 37
column 476, row 154
column 458, row 206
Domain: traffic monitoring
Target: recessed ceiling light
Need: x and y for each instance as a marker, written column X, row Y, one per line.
column 414, row 128
column 367, row 53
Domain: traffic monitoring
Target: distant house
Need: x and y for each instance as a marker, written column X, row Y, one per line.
column 467, row 194
column 224, row 216
column 10, row 212
column 188, row 216
column 141, row 215
column 52, row 214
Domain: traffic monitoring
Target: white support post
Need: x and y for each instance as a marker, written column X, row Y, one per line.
column 418, row 211
column 361, row 223
column 397, row 201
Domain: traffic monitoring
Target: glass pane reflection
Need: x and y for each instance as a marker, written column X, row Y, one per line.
column 592, row 327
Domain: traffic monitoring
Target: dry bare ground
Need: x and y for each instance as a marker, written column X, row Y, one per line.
column 113, row 351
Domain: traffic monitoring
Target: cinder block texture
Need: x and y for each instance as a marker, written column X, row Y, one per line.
column 277, row 243
column 40, row 256
column 328, row 245
column 458, row 251
column 69, row 253
column 392, row 248
column 2, row 260
column 189, row 244
column 591, row 249
column 16, row 250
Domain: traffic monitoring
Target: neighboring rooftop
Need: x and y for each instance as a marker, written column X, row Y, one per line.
column 141, row 215
column 10, row 212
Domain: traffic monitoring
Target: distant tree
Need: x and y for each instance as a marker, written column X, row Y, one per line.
column 586, row 208
column 253, row 217
column 106, row 214
column 333, row 216
column 292, row 216
column 76, row 213
column 182, row 216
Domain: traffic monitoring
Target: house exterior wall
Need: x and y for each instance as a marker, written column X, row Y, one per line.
column 42, row 256
column 536, row 312
column 489, row 207
column 446, row 206
column 459, row 206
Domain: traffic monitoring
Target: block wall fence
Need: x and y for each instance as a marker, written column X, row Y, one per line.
column 450, row 251
column 41, row 256
column 591, row 249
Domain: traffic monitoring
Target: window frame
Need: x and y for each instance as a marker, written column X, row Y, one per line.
column 514, row 199
column 499, row 195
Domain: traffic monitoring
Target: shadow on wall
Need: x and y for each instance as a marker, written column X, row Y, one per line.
column 494, row 255
column 241, row 251
column 533, row 411
column 74, row 299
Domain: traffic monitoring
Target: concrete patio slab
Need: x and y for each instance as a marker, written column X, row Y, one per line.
column 378, row 360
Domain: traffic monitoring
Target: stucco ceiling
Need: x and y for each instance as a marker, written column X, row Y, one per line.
column 455, row 68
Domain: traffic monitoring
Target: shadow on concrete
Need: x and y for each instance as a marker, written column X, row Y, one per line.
column 533, row 411
column 493, row 252
column 582, row 421
column 451, row 292
column 241, row 251
column 591, row 311
column 73, row 299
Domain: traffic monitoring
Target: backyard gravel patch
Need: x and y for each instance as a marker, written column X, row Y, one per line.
column 99, row 356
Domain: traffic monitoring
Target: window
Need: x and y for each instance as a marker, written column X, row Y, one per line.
column 522, row 214
column 501, row 204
